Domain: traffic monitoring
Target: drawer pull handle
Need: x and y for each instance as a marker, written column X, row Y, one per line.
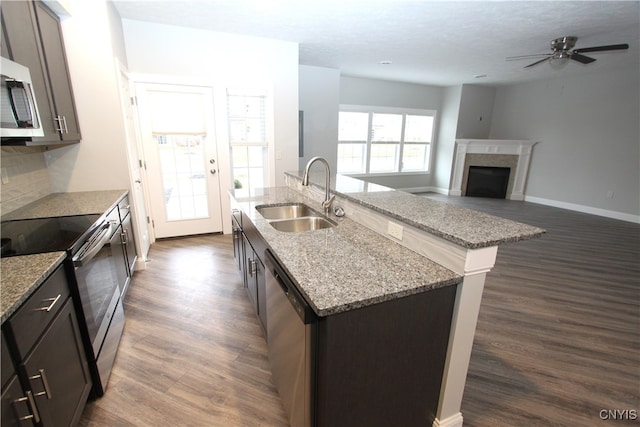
column 32, row 406
column 45, row 384
column 50, row 307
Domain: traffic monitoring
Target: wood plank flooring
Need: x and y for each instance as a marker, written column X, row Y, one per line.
column 557, row 338
column 192, row 352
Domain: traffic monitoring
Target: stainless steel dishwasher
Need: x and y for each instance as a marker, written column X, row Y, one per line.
column 291, row 335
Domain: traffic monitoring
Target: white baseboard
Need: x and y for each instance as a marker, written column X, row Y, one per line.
column 415, row 190
column 452, row 421
column 585, row 209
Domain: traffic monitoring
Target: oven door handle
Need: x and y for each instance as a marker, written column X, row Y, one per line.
column 94, row 245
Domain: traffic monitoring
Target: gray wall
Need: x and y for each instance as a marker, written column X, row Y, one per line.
column 587, row 126
column 476, row 108
column 319, row 99
column 446, row 141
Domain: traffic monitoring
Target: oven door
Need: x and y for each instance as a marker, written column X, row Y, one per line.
column 97, row 283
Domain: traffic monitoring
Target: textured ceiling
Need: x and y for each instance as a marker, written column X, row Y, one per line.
column 430, row 42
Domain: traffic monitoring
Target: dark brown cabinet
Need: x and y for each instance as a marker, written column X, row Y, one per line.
column 248, row 251
column 122, row 244
column 32, row 37
column 44, row 342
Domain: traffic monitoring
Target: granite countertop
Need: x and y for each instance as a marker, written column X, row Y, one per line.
column 465, row 227
column 22, row 275
column 66, row 204
column 347, row 266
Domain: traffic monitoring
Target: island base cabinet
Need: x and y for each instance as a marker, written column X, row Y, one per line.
column 382, row 365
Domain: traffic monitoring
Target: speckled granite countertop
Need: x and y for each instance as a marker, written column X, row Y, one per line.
column 22, row 275
column 64, row 204
column 347, row 266
column 465, row 227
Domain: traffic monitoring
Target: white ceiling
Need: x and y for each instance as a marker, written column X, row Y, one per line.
column 439, row 43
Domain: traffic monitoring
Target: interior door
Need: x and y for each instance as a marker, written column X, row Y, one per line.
column 177, row 130
column 137, row 196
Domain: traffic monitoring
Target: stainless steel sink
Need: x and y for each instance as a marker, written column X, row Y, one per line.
column 296, row 225
column 294, row 210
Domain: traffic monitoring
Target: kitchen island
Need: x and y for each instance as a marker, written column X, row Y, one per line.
column 391, row 247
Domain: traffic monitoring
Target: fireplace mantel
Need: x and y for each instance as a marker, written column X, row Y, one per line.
column 520, row 148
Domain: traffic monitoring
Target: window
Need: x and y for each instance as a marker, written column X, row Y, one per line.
column 247, row 139
column 376, row 140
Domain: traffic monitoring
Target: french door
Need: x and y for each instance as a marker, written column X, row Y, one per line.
column 177, row 130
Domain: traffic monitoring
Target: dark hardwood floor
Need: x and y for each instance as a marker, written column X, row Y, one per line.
column 557, row 339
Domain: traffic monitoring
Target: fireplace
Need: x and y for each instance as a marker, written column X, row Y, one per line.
column 487, row 181
column 513, row 155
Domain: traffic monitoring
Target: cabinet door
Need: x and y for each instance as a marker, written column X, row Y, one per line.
column 57, row 371
column 56, row 60
column 23, row 47
column 119, row 260
column 262, row 292
column 17, row 407
column 129, row 244
column 250, row 268
column 238, row 251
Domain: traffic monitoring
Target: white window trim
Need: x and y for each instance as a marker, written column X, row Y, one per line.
column 392, row 110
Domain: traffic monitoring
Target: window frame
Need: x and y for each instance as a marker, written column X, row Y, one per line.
column 371, row 110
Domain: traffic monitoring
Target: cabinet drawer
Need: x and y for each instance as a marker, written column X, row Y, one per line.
column 124, row 208
column 28, row 323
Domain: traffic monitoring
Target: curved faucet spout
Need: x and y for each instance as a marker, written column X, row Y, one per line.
column 328, row 198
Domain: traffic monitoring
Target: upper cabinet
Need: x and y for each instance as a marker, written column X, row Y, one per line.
column 32, row 36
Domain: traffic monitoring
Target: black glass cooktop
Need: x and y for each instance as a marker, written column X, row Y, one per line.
column 33, row 236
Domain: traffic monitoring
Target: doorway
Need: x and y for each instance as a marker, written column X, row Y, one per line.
column 179, row 140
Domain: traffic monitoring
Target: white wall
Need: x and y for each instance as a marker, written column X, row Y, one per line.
column 587, row 126
column 319, row 99
column 224, row 60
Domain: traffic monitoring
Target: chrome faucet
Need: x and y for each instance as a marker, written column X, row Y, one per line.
column 328, row 198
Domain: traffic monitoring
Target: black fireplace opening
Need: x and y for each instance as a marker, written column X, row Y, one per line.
column 487, row 181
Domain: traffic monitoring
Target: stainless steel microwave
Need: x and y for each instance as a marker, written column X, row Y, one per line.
column 19, row 110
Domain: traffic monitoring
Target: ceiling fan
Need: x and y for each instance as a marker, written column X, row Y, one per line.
column 562, row 51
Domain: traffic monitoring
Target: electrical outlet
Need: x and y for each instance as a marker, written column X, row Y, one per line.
column 394, row 230
column 5, row 176
column 610, row 194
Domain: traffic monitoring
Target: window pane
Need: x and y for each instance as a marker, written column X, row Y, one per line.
column 415, row 157
column 182, row 165
column 384, row 158
column 353, row 126
column 248, row 168
column 246, row 130
column 418, row 129
column 386, row 128
column 351, row 157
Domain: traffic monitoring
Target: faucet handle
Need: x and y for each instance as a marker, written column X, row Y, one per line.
column 327, row 203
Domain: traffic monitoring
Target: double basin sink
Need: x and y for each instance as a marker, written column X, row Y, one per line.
column 294, row 217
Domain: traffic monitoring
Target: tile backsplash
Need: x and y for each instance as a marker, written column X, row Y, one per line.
column 25, row 177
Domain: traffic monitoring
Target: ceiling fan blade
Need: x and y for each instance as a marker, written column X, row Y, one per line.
column 602, row 48
column 581, row 58
column 538, row 62
column 536, row 55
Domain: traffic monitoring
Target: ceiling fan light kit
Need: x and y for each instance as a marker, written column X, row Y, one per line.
column 562, row 52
